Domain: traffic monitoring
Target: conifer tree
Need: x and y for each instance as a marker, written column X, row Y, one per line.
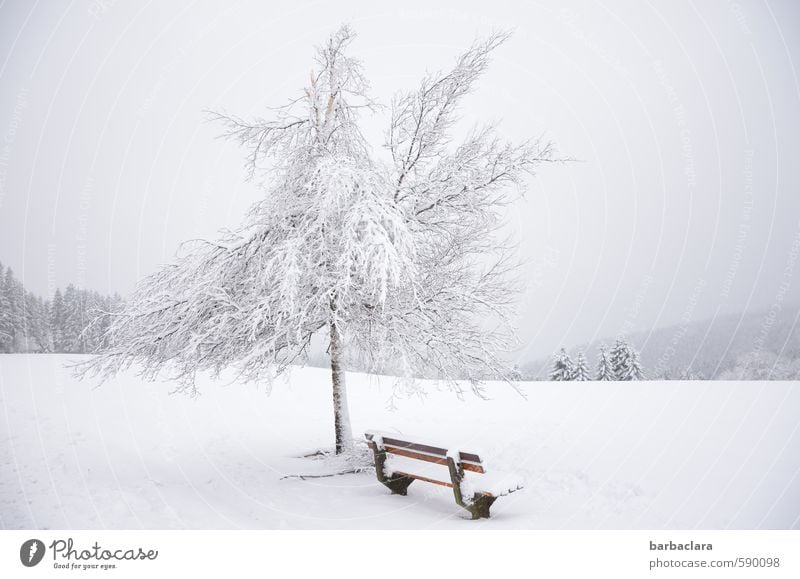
column 580, row 373
column 57, row 314
column 45, row 337
column 604, row 369
column 625, row 361
column 35, row 324
column 620, row 358
column 72, row 320
column 6, row 326
column 16, row 311
column 633, row 370
column 562, row 367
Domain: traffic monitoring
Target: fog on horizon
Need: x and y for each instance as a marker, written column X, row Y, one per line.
column 684, row 120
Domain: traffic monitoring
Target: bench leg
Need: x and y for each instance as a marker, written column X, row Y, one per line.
column 397, row 484
column 479, row 504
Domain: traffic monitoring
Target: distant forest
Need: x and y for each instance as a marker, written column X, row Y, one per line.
column 758, row 345
column 761, row 345
column 74, row 321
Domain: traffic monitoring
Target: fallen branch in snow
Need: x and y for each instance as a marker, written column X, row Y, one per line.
column 307, row 476
column 316, row 454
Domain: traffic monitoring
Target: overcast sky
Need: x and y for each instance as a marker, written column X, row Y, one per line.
column 685, row 117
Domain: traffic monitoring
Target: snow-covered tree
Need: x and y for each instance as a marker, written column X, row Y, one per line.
column 45, row 341
column 395, row 261
column 580, row 372
column 619, row 357
column 99, row 310
column 604, row 369
column 6, row 323
column 633, row 371
column 562, row 367
column 761, row 365
column 15, row 300
column 57, row 315
column 75, row 320
column 625, row 361
column 37, row 328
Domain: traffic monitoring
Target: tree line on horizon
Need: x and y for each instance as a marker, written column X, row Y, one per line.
column 73, row 321
column 620, row 363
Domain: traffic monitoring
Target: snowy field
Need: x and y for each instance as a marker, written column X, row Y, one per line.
column 592, row 455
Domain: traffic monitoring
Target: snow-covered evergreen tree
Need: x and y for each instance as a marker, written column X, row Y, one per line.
column 619, row 358
column 15, row 297
column 74, row 320
column 57, row 315
column 44, row 337
column 562, row 367
column 633, row 370
column 625, row 361
column 604, row 369
column 6, row 325
column 580, row 372
column 394, row 261
column 36, row 326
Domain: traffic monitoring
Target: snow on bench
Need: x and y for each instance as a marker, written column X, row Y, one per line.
column 399, row 462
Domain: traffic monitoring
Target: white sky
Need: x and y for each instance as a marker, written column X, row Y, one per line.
column 685, row 116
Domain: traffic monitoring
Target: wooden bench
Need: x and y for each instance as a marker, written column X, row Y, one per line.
column 476, row 499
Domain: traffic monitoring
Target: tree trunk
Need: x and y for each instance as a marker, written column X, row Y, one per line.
column 341, row 414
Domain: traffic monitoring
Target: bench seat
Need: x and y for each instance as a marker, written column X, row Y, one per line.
column 494, row 483
column 399, row 461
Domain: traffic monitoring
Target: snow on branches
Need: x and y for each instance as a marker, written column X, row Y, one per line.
column 625, row 361
column 580, row 373
column 563, row 367
column 604, row 370
column 621, row 364
column 396, row 261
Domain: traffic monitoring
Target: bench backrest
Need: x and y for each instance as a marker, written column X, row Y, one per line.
column 425, row 452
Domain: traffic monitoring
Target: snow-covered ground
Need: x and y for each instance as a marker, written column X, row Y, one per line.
column 592, row 455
